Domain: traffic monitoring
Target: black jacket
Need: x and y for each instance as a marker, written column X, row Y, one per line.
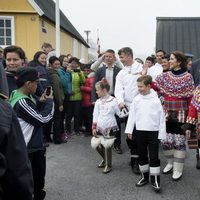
column 99, row 75
column 15, row 171
column 195, row 71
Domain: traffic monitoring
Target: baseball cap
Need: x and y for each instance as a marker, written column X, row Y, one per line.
column 25, row 74
column 189, row 55
column 82, row 61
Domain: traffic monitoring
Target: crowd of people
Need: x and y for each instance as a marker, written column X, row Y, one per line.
column 49, row 99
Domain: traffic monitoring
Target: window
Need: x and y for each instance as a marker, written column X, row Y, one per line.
column 6, row 31
column 75, row 47
column 82, row 51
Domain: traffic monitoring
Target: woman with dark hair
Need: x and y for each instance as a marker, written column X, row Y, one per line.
column 165, row 63
column 54, row 66
column 66, row 81
column 177, row 86
column 39, row 62
column 14, row 58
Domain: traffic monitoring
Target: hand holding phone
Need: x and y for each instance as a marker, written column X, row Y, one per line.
column 49, row 93
column 77, row 70
column 48, row 90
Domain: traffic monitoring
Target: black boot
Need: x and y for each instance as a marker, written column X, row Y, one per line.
column 135, row 165
column 144, row 179
column 155, row 182
column 155, row 177
column 198, row 160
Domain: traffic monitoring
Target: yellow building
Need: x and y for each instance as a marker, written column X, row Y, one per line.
column 29, row 23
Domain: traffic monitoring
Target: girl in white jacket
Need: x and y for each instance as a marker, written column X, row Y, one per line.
column 104, row 126
column 146, row 116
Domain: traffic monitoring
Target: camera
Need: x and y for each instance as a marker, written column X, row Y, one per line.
column 77, row 70
column 48, row 91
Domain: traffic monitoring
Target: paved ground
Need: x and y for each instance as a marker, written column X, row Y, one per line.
column 72, row 175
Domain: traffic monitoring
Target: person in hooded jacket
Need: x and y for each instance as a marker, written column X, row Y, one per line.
column 87, row 105
column 66, row 81
column 16, row 181
column 32, row 117
column 39, row 63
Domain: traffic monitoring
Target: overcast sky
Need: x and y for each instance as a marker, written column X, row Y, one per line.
column 125, row 22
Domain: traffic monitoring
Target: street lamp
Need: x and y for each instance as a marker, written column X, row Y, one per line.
column 87, row 32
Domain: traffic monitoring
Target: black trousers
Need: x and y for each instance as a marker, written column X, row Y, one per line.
column 148, row 147
column 86, row 117
column 118, row 133
column 57, row 120
column 132, row 144
column 73, row 110
column 38, row 164
column 63, row 114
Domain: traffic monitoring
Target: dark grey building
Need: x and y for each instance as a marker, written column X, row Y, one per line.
column 178, row 33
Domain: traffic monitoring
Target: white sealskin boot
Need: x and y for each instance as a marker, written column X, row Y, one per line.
column 155, row 178
column 169, row 154
column 179, row 157
column 144, row 175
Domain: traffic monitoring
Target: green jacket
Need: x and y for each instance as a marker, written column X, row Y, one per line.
column 15, row 96
column 78, row 79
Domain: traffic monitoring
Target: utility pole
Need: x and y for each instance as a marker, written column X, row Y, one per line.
column 57, row 28
column 87, row 32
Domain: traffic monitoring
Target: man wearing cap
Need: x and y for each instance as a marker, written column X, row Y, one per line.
column 32, row 120
column 16, row 180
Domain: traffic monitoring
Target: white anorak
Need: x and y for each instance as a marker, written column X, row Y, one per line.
column 146, row 114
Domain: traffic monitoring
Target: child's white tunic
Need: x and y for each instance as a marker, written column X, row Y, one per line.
column 104, row 114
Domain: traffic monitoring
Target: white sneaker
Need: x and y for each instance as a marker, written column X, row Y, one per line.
column 176, row 175
column 167, row 168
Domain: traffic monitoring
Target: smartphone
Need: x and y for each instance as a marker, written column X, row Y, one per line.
column 48, row 91
column 77, row 70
